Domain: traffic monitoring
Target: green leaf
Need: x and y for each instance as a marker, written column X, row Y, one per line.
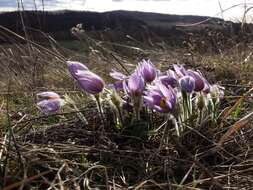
column 235, row 114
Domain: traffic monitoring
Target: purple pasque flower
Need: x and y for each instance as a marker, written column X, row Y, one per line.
column 198, row 78
column 134, row 85
column 217, row 91
column 74, row 67
column 169, row 79
column 49, row 102
column 179, row 70
column 207, row 87
column 90, row 82
column 187, row 84
column 160, row 98
column 118, row 85
column 147, row 70
column 117, row 75
column 120, row 77
column 49, row 106
column 48, row 95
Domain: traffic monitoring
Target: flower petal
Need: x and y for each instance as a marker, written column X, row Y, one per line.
column 74, row 66
column 117, row 75
column 48, row 95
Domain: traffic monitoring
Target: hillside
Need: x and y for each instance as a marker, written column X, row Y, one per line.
column 116, row 25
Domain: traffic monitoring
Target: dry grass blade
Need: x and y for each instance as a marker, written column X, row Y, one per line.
column 145, row 182
column 230, row 110
column 60, row 57
column 222, row 176
column 236, row 127
column 25, row 181
column 154, row 184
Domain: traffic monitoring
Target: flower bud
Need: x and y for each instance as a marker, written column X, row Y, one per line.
column 50, row 102
column 90, row 82
column 199, row 82
column 74, row 66
column 134, row 86
column 200, row 102
column 147, row 70
column 187, row 84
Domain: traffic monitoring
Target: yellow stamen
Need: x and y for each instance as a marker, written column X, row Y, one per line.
column 163, row 103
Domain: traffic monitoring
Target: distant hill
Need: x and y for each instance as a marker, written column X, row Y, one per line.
column 115, row 25
column 62, row 20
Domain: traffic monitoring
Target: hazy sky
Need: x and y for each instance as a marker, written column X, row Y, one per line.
column 189, row 7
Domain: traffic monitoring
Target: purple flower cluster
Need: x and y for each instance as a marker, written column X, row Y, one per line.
column 160, row 91
column 146, row 86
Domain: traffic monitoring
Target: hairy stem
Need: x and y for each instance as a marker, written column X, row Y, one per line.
column 97, row 97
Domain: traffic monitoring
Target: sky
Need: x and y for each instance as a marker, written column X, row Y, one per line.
column 181, row 7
